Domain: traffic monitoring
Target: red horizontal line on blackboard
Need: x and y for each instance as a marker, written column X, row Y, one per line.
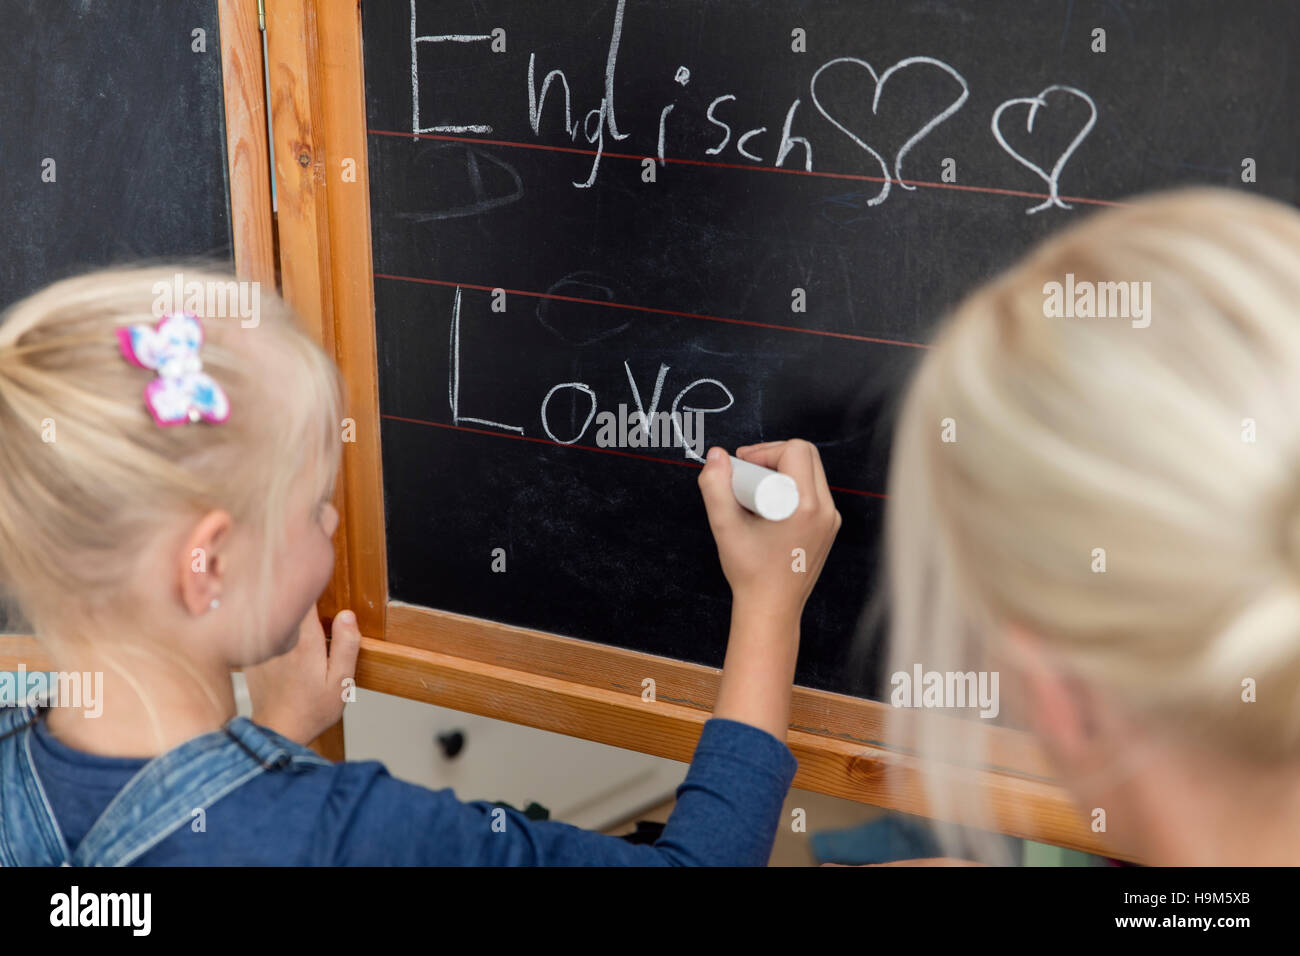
column 607, row 451
column 643, row 308
column 993, row 190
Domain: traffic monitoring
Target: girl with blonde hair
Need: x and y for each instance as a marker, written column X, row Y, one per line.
column 1112, row 522
column 165, row 518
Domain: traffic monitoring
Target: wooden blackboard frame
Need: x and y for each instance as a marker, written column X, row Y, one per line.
column 315, row 75
column 529, row 677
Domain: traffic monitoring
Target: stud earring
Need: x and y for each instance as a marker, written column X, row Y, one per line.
column 216, row 603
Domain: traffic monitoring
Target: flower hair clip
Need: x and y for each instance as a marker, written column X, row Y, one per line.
column 182, row 392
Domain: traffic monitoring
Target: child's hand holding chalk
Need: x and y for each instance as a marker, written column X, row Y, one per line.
column 771, row 564
column 763, row 504
column 767, row 493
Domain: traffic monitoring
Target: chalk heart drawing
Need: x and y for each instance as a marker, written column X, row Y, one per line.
column 1035, row 103
column 880, row 80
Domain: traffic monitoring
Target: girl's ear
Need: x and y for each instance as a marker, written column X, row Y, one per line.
column 201, row 563
column 1060, row 709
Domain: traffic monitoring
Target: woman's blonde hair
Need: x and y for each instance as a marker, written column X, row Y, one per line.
column 1128, row 493
column 87, row 477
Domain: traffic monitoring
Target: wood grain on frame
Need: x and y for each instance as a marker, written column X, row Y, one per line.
column 344, row 140
column 300, row 182
column 248, row 159
column 303, row 178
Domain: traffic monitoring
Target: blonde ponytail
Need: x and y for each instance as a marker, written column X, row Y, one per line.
column 87, row 479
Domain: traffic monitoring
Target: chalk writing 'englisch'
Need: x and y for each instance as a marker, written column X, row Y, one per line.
column 601, row 119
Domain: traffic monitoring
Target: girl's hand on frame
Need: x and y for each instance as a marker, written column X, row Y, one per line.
column 761, row 558
column 300, row 694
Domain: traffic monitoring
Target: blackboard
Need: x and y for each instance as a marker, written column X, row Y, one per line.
column 606, row 278
column 125, row 100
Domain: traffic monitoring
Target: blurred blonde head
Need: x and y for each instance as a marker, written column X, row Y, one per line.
column 1171, row 452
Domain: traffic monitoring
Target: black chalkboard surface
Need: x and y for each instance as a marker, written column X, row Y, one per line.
column 529, row 277
column 112, row 138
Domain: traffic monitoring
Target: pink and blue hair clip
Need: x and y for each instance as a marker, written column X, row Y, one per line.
column 182, row 392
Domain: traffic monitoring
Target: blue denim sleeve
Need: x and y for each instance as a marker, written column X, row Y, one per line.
column 727, row 812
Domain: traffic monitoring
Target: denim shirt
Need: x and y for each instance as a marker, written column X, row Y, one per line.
column 266, row 800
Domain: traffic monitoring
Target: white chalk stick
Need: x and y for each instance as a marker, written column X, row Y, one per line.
column 763, row 491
